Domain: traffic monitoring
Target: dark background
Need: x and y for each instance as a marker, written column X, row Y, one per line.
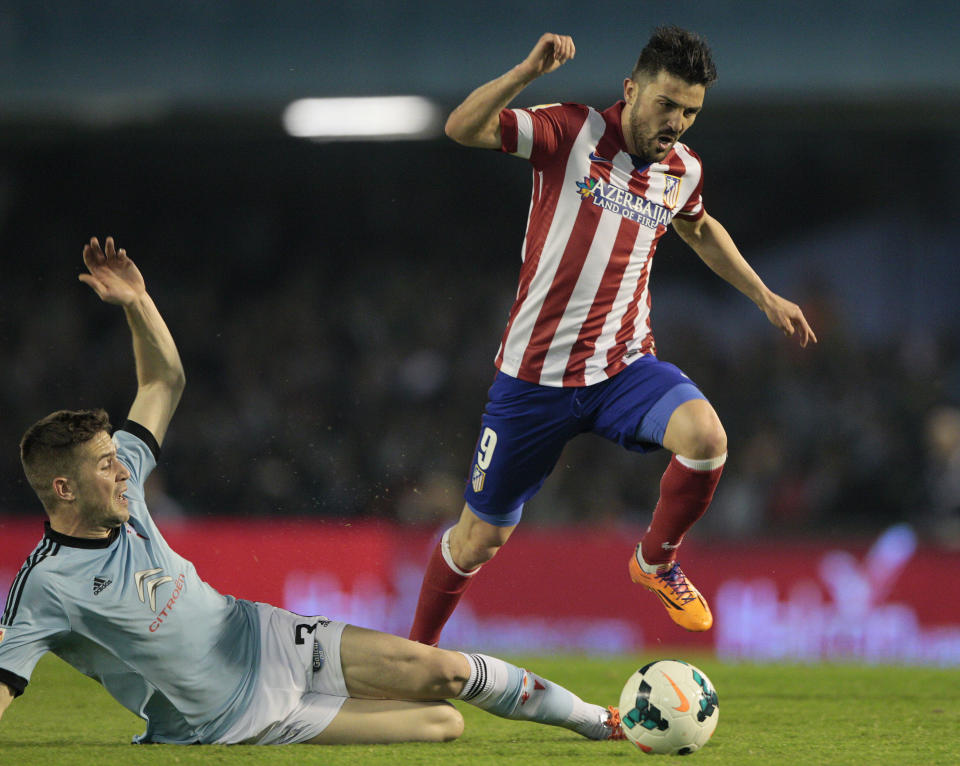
column 338, row 306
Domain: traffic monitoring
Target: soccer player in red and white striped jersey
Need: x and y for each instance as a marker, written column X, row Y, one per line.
column 578, row 352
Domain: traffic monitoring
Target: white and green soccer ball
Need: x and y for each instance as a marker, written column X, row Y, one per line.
column 669, row 707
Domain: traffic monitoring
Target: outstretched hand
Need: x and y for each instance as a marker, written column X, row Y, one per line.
column 550, row 53
column 790, row 319
column 113, row 276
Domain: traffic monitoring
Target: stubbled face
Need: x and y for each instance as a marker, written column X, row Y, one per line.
column 99, row 485
column 657, row 112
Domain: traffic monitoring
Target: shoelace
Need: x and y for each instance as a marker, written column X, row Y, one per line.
column 613, row 723
column 675, row 578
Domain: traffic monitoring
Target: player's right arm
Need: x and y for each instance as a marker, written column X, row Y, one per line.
column 6, row 697
column 476, row 122
column 160, row 377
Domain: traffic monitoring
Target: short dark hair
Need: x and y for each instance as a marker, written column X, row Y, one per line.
column 679, row 52
column 47, row 446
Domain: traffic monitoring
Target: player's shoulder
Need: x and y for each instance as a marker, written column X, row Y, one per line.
column 687, row 154
column 569, row 106
column 559, row 109
column 43, row 556
column 132, row 436
column 36, row 577
column 137, row 449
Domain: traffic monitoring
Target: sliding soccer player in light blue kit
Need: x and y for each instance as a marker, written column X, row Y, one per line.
column 125, row 607
column 105, row 592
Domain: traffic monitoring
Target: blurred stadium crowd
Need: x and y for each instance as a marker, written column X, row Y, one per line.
column 338, row 308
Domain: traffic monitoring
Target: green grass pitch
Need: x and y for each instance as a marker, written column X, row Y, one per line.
column 769, row 714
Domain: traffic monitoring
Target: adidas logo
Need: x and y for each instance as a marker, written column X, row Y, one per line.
column 99, row 584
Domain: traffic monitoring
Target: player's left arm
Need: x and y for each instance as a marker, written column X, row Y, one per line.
column 716, row 248
column 160, row 376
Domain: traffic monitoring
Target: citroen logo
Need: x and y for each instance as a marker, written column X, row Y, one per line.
column 146, row 578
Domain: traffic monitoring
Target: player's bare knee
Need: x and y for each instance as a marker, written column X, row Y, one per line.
column 445, row 723
column 710, row 440
column 448, row 673
column 713, row 442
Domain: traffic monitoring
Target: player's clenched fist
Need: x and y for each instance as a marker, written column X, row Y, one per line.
column 550, row 53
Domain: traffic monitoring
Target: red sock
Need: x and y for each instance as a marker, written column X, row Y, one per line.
column 684, row 497
column 439, row 596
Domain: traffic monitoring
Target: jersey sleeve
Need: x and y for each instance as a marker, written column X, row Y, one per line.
column 138, row 451
column 693, row 209
column 32, row 622
column 538, row 133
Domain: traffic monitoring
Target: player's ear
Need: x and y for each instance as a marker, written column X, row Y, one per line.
column 630, row 89
column 64, row 489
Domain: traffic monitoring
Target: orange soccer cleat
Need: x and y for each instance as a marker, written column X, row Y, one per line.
column 682, row 600
column 613, row 723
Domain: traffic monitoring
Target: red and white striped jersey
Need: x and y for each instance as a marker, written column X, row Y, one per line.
column 582, row 310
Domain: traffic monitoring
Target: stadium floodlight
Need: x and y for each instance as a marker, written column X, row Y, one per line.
column 369, row 118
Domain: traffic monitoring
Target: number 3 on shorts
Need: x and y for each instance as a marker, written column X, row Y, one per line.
column 488, row 443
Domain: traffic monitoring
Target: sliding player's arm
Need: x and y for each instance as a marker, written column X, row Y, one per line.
column 476, row 122
column 711, row 241
column 160, row 376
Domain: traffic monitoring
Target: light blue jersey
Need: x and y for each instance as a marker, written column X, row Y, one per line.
column 135, row 616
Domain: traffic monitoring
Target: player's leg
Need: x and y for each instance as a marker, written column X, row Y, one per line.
column 454, row 561
column 523, row 431
column 694, row 431
column 311, row 668
column 383, row 722
column 473, row 541
column 697, row 439
column 381, row 665
column 653, row 404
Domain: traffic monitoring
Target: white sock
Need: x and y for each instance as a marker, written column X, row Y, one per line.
column 650, row 568
column 448, row 556
column 707, row 464
column 511, row 692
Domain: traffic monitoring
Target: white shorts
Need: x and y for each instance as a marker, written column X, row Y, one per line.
column 300, row 689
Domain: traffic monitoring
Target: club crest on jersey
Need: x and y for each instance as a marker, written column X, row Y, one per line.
column 635, row 207
column 671, row 192
column 479, row 476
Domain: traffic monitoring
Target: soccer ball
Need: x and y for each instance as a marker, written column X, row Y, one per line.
column 669, row 707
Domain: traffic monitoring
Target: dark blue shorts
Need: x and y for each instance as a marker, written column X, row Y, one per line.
column 525, row 427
